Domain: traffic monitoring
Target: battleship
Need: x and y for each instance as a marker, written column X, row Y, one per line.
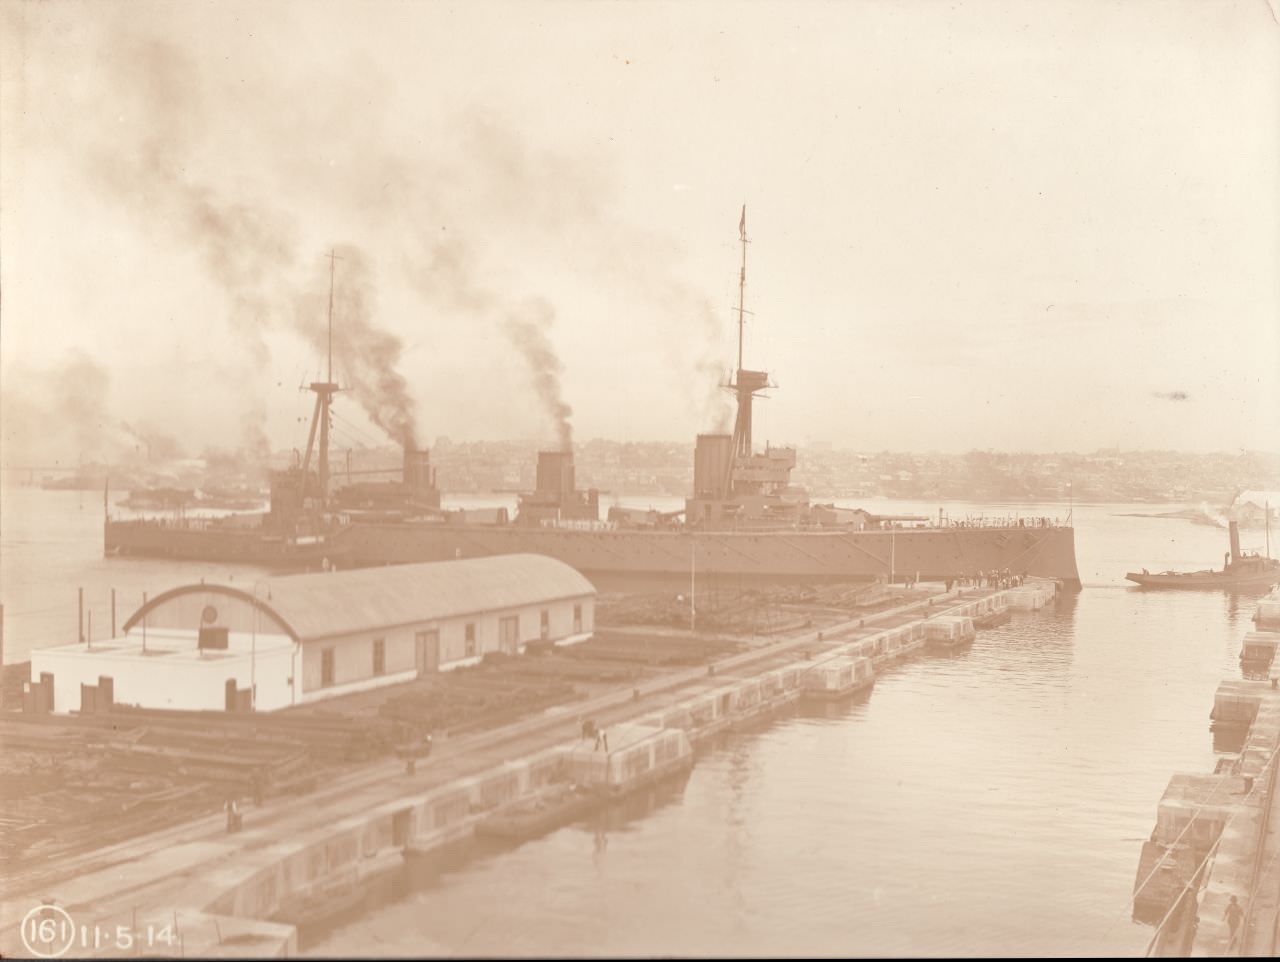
column 743, row 521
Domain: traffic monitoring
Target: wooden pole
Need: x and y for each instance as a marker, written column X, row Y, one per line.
column 693, row 584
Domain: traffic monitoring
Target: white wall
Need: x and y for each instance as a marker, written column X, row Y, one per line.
column 177, row 681
column 353, row 658
column 488, row 632
column 353, row 654
column 184, row 680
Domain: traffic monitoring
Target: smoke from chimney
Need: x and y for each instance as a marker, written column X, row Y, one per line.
column 156, row 445
column 367, row 355
column 526, row 325
column 716, row 412
column 244, row 248
column 80, row 386
column 168, row 158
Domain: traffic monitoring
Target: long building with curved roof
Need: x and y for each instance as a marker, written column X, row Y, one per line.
column 297, row 638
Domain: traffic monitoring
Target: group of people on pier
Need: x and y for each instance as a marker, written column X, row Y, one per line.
column 994, row 579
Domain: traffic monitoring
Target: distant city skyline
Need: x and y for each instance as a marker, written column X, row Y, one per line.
column 1016, row 227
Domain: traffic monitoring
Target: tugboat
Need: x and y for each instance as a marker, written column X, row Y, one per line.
column 1239, row 570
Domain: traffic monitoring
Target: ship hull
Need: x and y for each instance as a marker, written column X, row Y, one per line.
column 614, row 558
column 1210, row 580
column 808, row 556
column 146, row 539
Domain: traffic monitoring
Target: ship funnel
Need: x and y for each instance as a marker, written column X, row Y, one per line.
column 417, row 469
column 1233, row 530
column 711, row 457
column 555, row 499
column 555, row 477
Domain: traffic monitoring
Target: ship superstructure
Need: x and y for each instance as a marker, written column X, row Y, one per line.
column 307, row 512
column 733, row 485
column 555, row 498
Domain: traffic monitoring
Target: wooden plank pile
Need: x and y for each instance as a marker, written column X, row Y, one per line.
column 656, row 649
column 77, row 782
column 475, row 698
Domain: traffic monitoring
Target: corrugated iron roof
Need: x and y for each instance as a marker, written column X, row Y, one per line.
column 344, row 602
column 330, row 604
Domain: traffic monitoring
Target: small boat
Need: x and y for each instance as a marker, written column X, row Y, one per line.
column 997, row 616
column 1239, row 570
column 321, row 906
column 158, row 499
column 949, row 632
column 538, row 815
column 600, row 773
column 838, row 677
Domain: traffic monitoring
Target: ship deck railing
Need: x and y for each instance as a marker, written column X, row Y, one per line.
column 1013, row 522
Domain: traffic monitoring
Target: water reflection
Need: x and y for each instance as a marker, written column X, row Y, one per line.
column 623, row 814
column 834, row 709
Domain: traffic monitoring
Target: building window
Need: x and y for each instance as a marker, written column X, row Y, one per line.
column 326, row 667
column 471, row 640
column 545, row 631
column 577, row 619
column 379, row 656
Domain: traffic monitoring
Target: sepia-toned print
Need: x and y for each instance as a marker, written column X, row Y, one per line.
column 561, row 479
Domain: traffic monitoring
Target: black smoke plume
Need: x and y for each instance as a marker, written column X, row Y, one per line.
column 155, row 445
column 527, row 326
column 366, row 354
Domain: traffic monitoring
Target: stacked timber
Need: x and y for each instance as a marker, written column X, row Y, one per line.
column 473, row 699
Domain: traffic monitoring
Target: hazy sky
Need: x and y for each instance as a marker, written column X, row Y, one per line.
column 1050, row 225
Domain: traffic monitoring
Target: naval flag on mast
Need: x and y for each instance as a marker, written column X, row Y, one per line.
column 742, row 224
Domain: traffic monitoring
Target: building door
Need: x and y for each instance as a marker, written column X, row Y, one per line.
column 509, row 634
column 428, row 645
column 400, row 824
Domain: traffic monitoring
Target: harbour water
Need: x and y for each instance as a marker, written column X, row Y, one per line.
column 996, row 799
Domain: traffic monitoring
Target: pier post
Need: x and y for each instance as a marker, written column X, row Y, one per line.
column 693, row 585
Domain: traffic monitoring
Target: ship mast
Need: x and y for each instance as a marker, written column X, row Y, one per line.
column 745, row 383
column 742, row 281
column 324, row 391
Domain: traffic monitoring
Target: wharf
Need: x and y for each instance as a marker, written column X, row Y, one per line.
column 1217, row 836
column 300, row 852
